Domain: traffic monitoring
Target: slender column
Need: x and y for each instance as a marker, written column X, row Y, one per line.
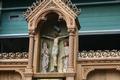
column 31, row 49
column 71, row 50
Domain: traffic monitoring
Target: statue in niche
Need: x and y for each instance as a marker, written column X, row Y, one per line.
column 55, row 50
column 45, row 57
column 65, row 56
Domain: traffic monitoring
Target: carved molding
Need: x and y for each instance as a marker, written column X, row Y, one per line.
column 99, row 54
column 13, row 63
column 11, row 55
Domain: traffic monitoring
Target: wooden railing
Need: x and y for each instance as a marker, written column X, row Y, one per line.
column 11, row 55
column 14, row 59
column 99, row 55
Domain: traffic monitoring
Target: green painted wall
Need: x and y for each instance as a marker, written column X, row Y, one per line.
column 13, row 22
column 0, row 8
column 100, row 17
column 92, row 18
column 0, row 5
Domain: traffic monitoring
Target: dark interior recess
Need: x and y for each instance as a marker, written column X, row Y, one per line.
column 14, row 45
column 99, row 42
column 16, row 3
column 86, row 42
column 14, row 17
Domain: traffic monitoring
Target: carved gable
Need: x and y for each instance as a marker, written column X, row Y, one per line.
column 65, row 6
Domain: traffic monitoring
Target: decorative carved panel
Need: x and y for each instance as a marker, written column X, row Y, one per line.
column 99, row 54
column 11, row 55
column 10, row 75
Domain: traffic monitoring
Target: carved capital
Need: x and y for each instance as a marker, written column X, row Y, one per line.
column 31, row 33
column 71, row 31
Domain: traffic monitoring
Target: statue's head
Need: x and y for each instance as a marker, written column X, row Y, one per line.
column 66, row 43
column 45, row 45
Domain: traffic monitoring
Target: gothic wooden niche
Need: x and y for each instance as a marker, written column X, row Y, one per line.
column 53, row 44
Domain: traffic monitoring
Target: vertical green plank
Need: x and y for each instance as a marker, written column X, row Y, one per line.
column 0, row 8
column 0, row 12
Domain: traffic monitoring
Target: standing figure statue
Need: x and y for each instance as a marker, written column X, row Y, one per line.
column 55, row 52
column 45, row 57
column 65, row 57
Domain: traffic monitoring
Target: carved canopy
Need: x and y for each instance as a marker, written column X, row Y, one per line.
column 39, row 9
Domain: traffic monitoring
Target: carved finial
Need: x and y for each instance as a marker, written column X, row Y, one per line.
column 37, row 2
column 32, row 7
column 72, row 6
column 34, row 4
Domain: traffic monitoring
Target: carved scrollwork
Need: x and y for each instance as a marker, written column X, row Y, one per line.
column 99, row 54
column 11, row 55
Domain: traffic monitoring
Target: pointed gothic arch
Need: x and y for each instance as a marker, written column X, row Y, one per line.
column 42, row 17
